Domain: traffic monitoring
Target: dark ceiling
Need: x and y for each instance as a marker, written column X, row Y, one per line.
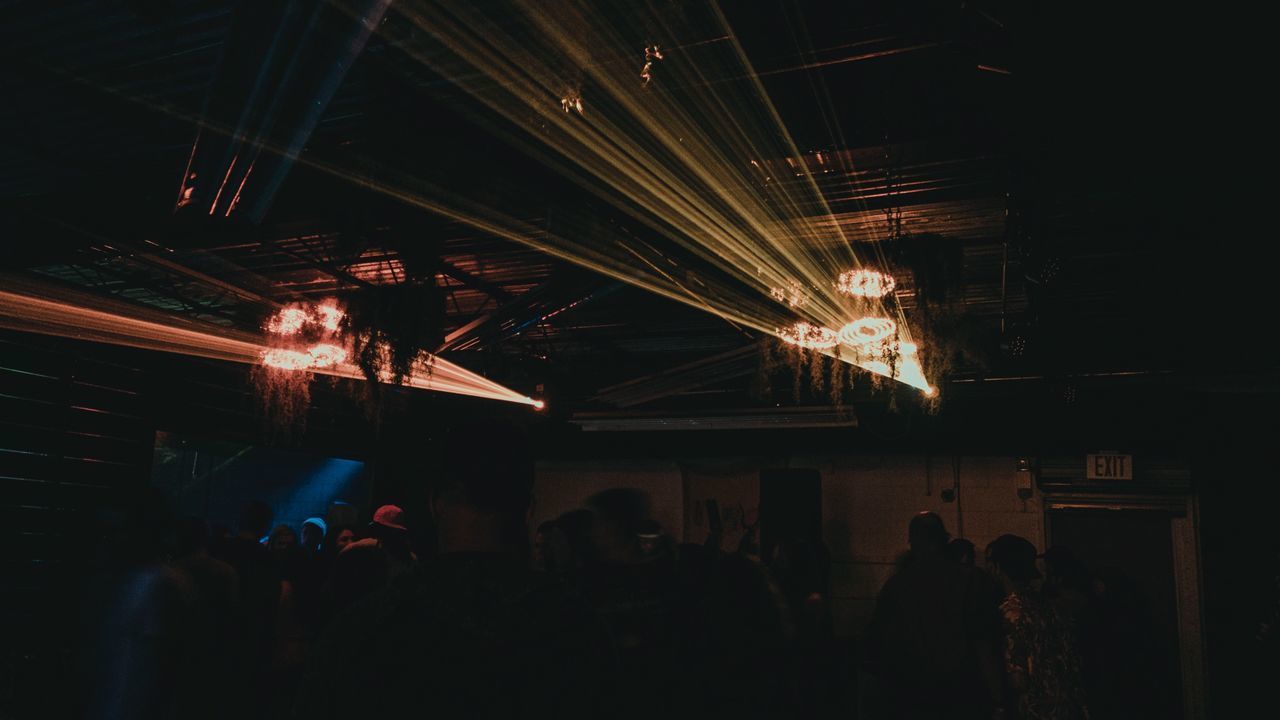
column 1024, row 158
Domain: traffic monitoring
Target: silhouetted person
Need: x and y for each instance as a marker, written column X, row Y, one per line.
column 932, row 639
column 282, row 539
column 620, row 514
column 259, row 576
column 365, row 566
column 138, row 667
column 359, row 570
column 474, row 633
column 550, row 549
column 296, row 623
column 802, row 571
column 313, row 532
column 961, row 551
column 210, row 648
column 341, row 537
column 653, row 542
column 1071, row 588
column 580, row 553
column 390, row 530
column 1042, row 666
column 341, row 514
column 695, row 633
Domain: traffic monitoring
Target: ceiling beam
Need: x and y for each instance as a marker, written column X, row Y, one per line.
column 497, row 292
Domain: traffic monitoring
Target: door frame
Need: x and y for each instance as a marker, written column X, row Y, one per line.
column 1184, row 536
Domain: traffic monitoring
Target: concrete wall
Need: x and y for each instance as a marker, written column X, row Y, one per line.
column 867, row 502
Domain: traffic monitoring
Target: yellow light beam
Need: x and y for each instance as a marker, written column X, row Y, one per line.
column 36, row 308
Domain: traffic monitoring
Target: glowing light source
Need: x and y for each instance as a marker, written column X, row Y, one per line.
column 809, row 336
column 38, row 308
column 284, row 359
column 293, row 319
column 867, row 330
column 651, row 53
column 671, row 160
column 896, row 361
column 329, row 317
column 320, row 323
column 288, row 321
column 325, row 355
column 865, row 283
column 571, row 101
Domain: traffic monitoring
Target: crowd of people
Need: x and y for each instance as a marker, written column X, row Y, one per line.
column 597, row 613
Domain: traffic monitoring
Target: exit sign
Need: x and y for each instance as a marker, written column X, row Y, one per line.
column 1108, row 467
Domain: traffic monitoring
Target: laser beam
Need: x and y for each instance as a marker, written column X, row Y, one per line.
column 37, row 308
column 676, row 152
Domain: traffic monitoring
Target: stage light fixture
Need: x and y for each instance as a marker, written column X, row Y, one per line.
column 867, row 330
column 808, row 336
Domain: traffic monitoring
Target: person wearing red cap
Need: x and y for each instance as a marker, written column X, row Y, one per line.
column 391, row 533
column 389, row 517
column 475, row 632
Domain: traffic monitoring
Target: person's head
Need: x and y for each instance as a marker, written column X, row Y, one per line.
column 620, row 513
column 961, row 551
column 482, row 499
column 1012, row 558
column 927, row 534
column 542, row 538
column 650, row 537
column 576, row 528
column 343, row 536
column 313, row 530
column 282, row 538
column 389, row 525
column 255, row 520
column 389, row 517
column 391, row 530
column 341, row 513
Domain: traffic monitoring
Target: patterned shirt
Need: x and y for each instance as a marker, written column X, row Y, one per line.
column 1040, row 650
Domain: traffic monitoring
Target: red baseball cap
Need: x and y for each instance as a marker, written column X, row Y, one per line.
column 390, row 516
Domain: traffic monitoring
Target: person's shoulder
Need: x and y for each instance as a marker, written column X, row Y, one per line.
column 361, row 545
column 898, row 578
column 975, row 577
